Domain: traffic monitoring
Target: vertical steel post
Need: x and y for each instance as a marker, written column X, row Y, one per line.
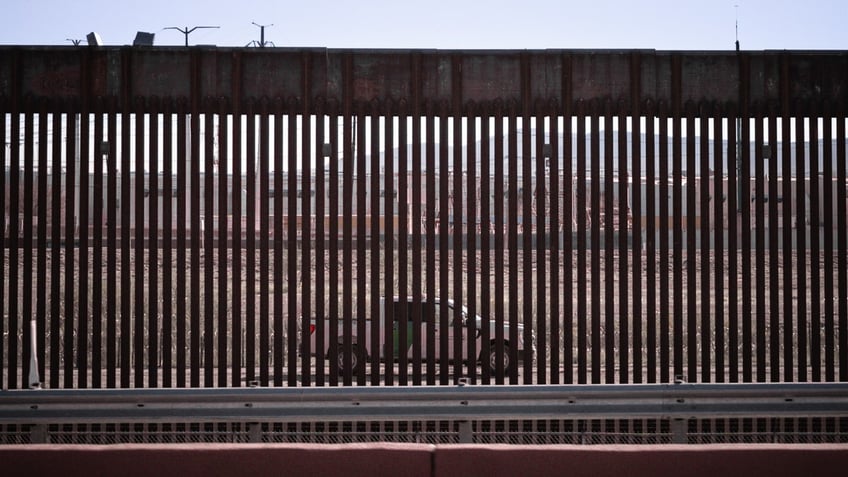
column 222, row 134
column 829, row 231
column 320, row 155
column 635, row 211
column 595, row 218
column 500, row 231
column 582, row 250
column 609, row 321
column 706, row 329
column 403, row 318
column 718, row 201
column 664, row 231
column 237, row 318
column 732, row 247
column 41, row 285
column 624, row 230
column 307, row 156
column 153, row 314
column 651, row 307
column 168, row 227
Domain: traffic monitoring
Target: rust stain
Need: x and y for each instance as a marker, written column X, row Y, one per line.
column 58, row 82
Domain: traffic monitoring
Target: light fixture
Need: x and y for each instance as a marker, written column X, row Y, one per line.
column 143, row 39
column 94, row 39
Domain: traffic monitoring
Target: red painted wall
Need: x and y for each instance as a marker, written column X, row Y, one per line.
column 423, row 460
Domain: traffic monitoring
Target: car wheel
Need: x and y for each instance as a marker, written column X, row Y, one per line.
column 492, row 362
column 357, row 359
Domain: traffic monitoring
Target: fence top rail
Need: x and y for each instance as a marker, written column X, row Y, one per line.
column 458, row 81
column 665, row 401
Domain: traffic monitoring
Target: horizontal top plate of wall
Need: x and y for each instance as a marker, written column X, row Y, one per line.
column 418, row 82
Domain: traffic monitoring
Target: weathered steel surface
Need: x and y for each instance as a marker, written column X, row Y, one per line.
column 294, row 109
column 523, row 76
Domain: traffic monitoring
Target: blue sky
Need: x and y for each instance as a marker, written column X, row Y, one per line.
column 443, row 24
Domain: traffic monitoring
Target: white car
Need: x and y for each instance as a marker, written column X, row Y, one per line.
column 362, row 348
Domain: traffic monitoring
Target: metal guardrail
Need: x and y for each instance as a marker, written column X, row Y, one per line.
column 464, row 403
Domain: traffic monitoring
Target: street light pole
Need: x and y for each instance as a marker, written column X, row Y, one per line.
column 262, row 33
column 186, row 31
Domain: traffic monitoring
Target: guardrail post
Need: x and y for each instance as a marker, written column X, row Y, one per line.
column 254, row 432
column 678, row 431
column 38, row 434
column 466, row 435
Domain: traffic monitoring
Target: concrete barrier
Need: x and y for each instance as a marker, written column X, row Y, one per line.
column 423, row 460
column 642, row 460
column 207, row 460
